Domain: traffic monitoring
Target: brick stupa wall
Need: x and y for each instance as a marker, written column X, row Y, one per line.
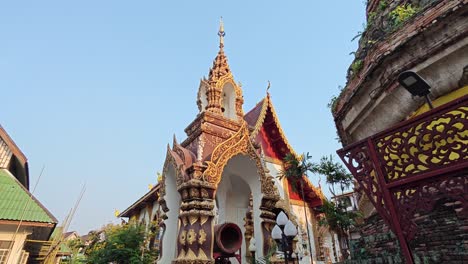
column 442, row 237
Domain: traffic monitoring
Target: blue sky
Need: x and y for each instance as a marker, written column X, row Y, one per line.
column 94, row 90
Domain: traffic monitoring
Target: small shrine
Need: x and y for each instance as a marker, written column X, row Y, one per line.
column 226, row 171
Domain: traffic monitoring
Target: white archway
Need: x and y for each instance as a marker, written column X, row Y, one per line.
column 239, row 180
column 171, row 224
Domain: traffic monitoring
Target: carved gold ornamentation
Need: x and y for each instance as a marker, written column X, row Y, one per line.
column 239, row 143
column 201, row 236
column 267, row 104
column 223, row 152
column 194, row 193
column 260, row 119
column 181, row 254
column 196, row 204
column 220, row 69
column 193, row 219
column 194, row 261
column 191, row 236
column 434, row 145
column 203, row 220
column 204, row 193
column 184, row 194
column 201, row 254
column 229, row 79
column 190, row 254
column 197, row 213
column 184, row 220
column 182, row 237
column 425, row 145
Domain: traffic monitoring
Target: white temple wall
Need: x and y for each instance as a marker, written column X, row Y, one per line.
column 275, row 171
column 328, row 243
column 173, row 200
column 154, row 210
column 298, row 210
column 144, row 216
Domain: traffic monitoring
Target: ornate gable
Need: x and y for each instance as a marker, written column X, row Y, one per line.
column 267, row 131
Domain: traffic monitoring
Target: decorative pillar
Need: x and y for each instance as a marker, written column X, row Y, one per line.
column 214, row 99
column 268, row 222
column 249, row 226
column 195, row 238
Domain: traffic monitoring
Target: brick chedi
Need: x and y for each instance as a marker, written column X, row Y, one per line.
column 410, row 162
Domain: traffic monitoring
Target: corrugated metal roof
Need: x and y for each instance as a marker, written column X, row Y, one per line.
column 17, row 203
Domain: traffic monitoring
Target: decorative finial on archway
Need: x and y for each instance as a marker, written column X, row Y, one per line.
column 221, row 33
column 269, row 85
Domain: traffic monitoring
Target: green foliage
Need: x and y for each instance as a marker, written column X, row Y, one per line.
column 371, row 18
column 334, row 99
column 335, row 173
column 332, row 103
column 76, row 246
column 295, row 168
column 401, row 14
column 382, row 5
column 356, row 67
column 121, row 244
column 336, row 217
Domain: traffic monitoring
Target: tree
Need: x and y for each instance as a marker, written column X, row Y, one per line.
column 295, row 169
column 334, row 172
column 118, row 244
column 76, row 247
column 337, row 218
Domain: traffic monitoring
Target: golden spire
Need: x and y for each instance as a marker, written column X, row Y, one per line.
column 220, row 66
column 221, row 33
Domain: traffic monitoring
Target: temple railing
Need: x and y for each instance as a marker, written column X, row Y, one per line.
column 405, row 169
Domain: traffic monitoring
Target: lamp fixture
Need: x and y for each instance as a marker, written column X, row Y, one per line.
column 416, row 85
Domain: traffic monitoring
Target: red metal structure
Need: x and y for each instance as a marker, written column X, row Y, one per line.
column 405, row 169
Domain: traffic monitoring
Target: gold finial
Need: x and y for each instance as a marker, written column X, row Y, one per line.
column 221, row 33
column 268, row 87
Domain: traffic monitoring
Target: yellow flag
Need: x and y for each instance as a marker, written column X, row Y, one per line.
column 116, row 213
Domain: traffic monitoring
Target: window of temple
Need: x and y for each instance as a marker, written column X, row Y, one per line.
column 229, row 101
